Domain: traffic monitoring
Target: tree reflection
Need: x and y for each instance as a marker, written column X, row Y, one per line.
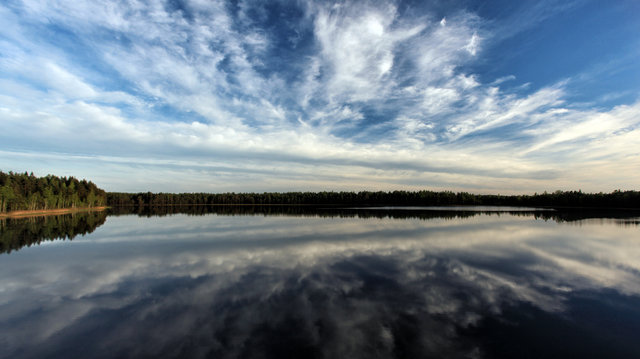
column 16, row 233
column 274, row 285
column 623, row 217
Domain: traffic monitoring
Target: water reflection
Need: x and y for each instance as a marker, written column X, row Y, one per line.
column 480, row 285
column 16, row 233
column 626, row 216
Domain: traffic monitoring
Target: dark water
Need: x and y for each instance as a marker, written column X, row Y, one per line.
column 320, row 283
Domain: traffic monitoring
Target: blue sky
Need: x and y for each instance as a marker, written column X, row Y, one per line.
column 488, row 97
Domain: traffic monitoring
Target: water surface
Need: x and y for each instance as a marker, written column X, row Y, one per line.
column 323, row 283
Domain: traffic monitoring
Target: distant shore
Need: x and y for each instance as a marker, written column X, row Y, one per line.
column 48, row 212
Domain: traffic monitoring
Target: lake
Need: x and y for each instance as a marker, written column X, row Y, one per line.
column 295, row 282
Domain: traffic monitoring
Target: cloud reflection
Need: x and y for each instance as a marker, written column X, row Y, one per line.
column 249, row 286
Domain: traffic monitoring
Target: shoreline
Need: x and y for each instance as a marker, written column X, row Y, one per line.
column 49, row 212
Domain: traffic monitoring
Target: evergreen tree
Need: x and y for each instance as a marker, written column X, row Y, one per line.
column 25, row 191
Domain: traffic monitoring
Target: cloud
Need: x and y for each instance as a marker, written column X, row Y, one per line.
column 360, row 96
column 358, row 50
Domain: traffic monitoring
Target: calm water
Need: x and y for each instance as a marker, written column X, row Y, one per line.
column 302, row 283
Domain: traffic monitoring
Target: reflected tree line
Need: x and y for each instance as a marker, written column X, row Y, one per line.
column 288, row 211
column 16, row 233
column 566, row 215
column 558, row 199
column 26, row 192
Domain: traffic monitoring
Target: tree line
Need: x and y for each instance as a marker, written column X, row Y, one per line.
column 557, row 199
column 23, row 191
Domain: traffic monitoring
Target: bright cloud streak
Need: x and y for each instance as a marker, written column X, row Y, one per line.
column 213, row 96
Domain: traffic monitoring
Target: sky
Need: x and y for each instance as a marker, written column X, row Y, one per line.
column 253, row 96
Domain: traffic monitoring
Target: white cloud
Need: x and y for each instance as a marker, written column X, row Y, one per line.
column 358, row 51
column 472, row 46
column 372, row 94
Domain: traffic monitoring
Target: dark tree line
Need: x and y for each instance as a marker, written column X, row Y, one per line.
column 16, row 233
column 23, row 191
column 616, row 199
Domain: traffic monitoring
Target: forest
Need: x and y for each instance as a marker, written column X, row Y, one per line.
column 26, row 192
column 557, row 199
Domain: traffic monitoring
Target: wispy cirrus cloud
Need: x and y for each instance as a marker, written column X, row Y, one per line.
column 306, row 95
